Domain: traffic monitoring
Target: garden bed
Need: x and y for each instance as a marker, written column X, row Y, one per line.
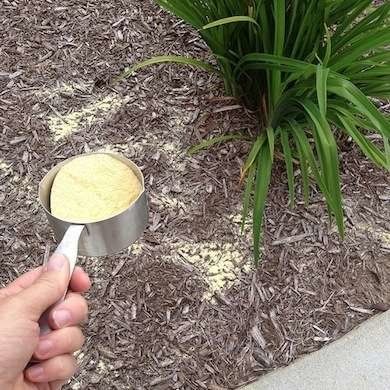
column 184, row 307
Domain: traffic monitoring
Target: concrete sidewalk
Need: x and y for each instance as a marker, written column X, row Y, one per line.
column 358, row 361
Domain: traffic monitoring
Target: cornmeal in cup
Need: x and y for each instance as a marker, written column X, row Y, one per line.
column 93, row 188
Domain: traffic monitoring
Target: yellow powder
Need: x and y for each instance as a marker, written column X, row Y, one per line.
column 92, row 188
column 377, row 231
column 97, row 111
column 220, row 264
column 3, row 165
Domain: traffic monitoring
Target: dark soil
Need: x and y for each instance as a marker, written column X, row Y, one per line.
column 149, row 325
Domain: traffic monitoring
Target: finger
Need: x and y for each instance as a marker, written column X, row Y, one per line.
column 59, row 342
column 59, row 368
column 23, row 281
column 72, row 311
column 46, row 290
column 80, row 281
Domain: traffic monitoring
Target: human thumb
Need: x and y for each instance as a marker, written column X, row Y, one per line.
column 47, row 290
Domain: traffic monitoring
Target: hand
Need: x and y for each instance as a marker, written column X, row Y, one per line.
column 21, row 305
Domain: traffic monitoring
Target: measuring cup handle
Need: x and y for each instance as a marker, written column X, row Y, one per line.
column 70, row 244
column 69, row 248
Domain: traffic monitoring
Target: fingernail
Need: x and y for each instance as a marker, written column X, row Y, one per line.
column 44, row 347
column 35, row 373
column 56, row 262
column 62, row 318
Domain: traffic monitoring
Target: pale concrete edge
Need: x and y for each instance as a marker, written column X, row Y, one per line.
column 365, row 329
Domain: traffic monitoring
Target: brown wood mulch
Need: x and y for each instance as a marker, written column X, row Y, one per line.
column 149, row 327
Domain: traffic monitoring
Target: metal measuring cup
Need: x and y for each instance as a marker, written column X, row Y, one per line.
column 101, row 238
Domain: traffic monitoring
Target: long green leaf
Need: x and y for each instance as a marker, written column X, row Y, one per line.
column 322, row 91
column 167, row 59
column 387, row 152
column 357, row 49
column 271, row 141
column 308, row 159
column 254, row 153
column 328, row 51
column 304, row 168
column 263, row 179
column 368, row 148
column 276, row 76
column 327, row 152
column 349, row 19
column 289, row 165
column 247, row 195
column 289, row 64
column 347, row 90
column 229, row 20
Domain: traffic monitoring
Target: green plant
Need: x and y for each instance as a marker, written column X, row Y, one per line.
column 308, row 68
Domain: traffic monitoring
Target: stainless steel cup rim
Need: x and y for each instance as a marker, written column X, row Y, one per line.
column 57, row 168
